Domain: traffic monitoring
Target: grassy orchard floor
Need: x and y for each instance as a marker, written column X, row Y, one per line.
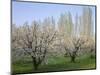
column 55, row 64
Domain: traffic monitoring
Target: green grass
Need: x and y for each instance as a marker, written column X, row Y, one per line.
column 55, row 64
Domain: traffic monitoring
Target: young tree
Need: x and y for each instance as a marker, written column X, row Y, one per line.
column 35, row 41
column 74, row 46
column 90, row 47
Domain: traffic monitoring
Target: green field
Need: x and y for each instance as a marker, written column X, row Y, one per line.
column 55, row 64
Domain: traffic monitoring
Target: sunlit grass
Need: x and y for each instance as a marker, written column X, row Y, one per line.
column 55, row 64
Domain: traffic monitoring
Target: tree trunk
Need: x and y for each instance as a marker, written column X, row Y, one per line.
column 73, row 56
column 35, row 65
column 73, row 59
column 91, row 55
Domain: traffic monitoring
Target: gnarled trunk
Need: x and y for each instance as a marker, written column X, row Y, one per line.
column 73, row 59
